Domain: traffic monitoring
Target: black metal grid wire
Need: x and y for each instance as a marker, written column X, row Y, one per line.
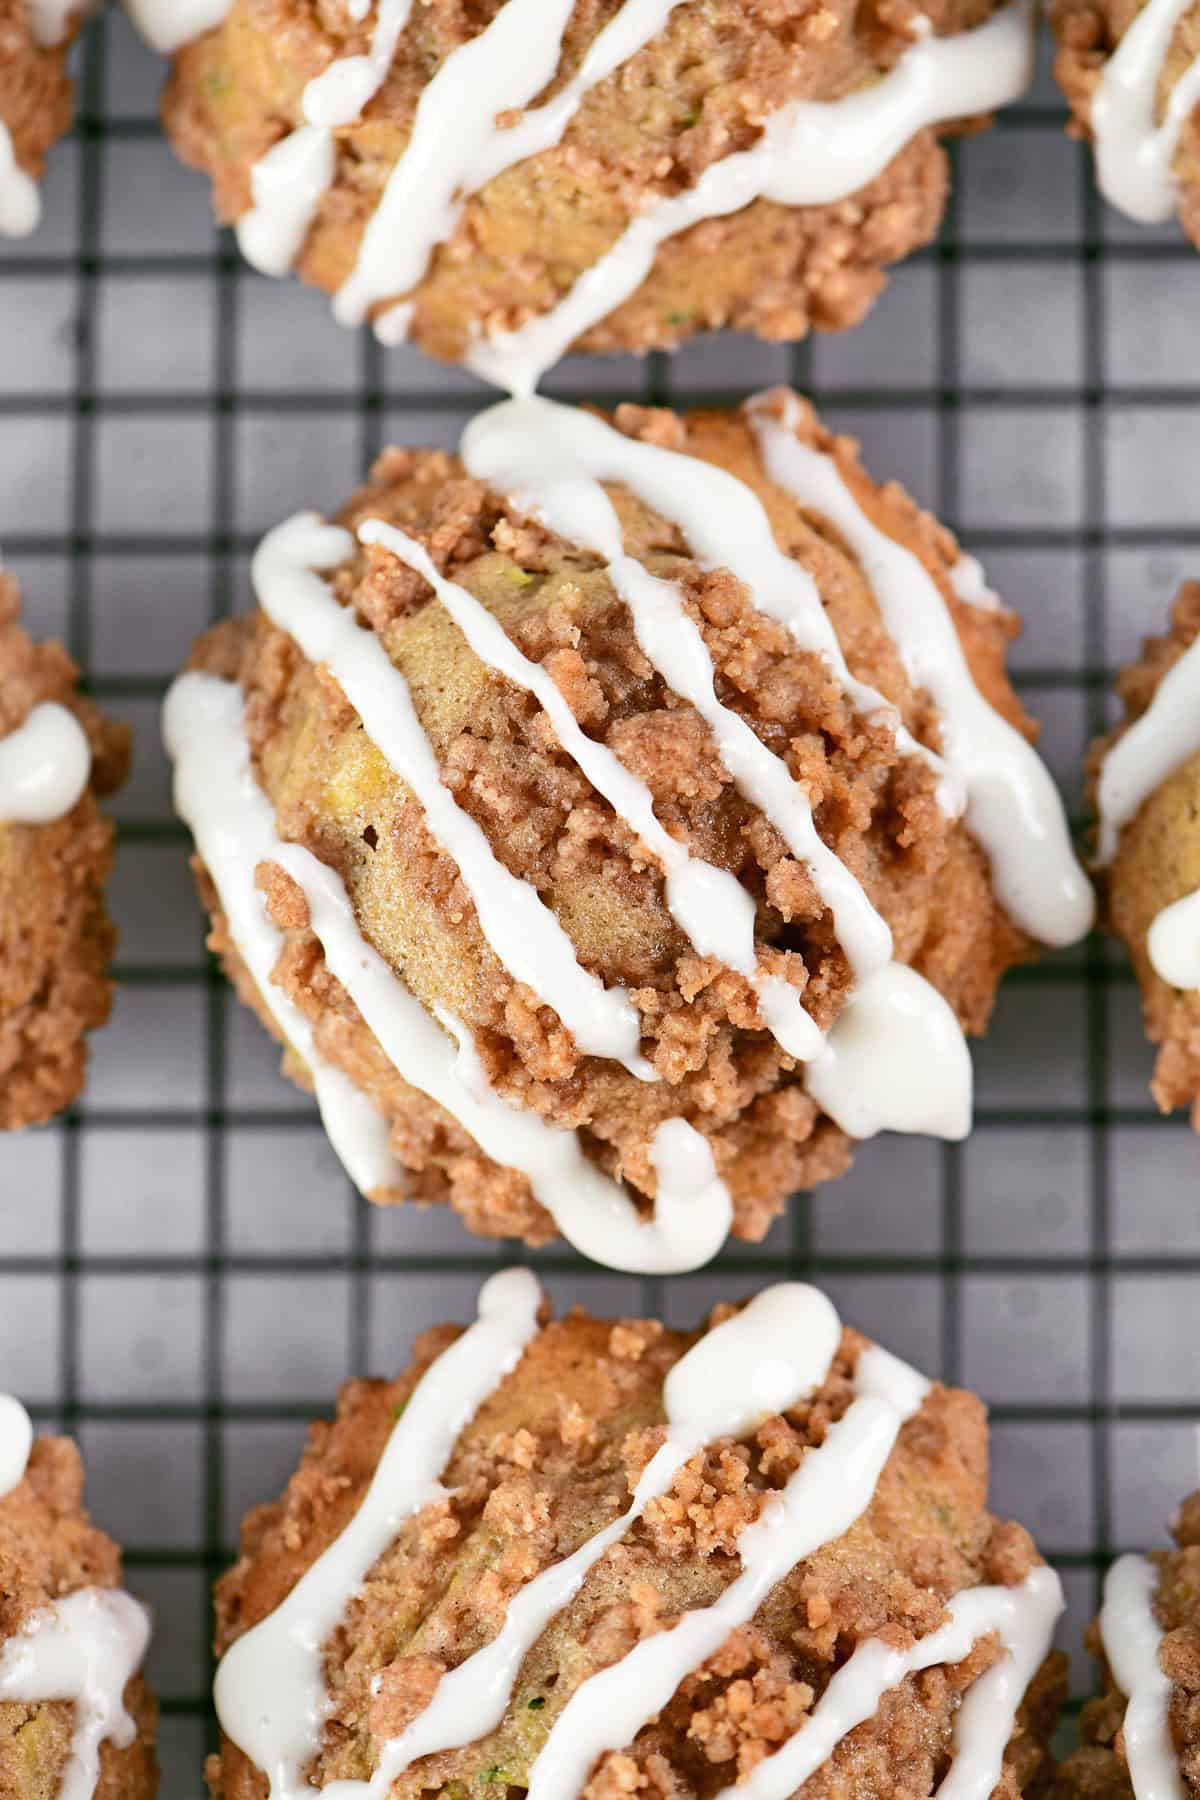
column 946, row 1272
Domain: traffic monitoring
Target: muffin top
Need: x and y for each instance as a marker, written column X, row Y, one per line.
column 584, row 1557
column 75, row 1717
column 669, row 771
column 503, row 181
column 58, row 753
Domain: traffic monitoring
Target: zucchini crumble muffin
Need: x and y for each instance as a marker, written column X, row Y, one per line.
column 76, row 1717
column 638, row 802
column 1147, row 788
column 583, row 1558
column 1142, row 1737
column 35, row 101
column 502, row 182
column 58, row 754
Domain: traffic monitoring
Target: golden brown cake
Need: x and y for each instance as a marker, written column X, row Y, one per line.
column 634, row 859
column 58, row 755
column 640, row 1561
column 610, row 176
column 35, row 100
column 75, row 1713
column 1147, row 786
column 1143, row 1735
column 1131, row 76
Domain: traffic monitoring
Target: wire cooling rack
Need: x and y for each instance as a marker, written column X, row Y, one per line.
column 184, row 1276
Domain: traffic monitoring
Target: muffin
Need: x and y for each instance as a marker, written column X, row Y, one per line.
column 58, row 754
column 1142, row 1737
column 1131, row 75
column 76, row 1717
column 501, row 183
column 594, row 1558
column 633, row 802
column 1147, row 789
column 35, row 101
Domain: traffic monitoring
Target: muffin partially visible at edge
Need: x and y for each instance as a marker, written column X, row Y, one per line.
column 1142, row 1737
column 75, row 1712
column 412, row 1593
column 459, row 180
column 36, row 101
column 1146, row 785
column 58, row 756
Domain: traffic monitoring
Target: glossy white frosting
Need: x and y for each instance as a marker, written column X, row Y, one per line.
column 83, row 1648
column 1132, row 1638
column 1135, row 150
column 44, row 767
column 20, row 202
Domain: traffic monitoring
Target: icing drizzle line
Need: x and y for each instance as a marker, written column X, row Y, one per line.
column 83, row 1649
column 1013, row 807
column 1134, row 155
column 44, row 767
column 1132, row 1637
column 20, row 202
column 778, row 1350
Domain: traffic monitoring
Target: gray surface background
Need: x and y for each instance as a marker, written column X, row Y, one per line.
column 184, row 1276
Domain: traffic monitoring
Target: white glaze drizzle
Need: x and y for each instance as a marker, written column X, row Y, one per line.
column 20, row 202
column 1132, row 1637
column 522, row 930
column 51, row 18
column 287, row 185
column 167, row 25
column 1173, row 942
column 44, row 767
column 693, row 1210
column 1013, row 807
column 1158, row 743
column 764, row 1359
column 970, row 583
column 233, row 826
column 16, row 1441
column 1155, row 745
column 1134, row 155
column 83, row 1648
column 553, row 460
column 831, row 1488
column 895, row 1060
column 270, row 1690
column 1023, row 1617
column 810, row 153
